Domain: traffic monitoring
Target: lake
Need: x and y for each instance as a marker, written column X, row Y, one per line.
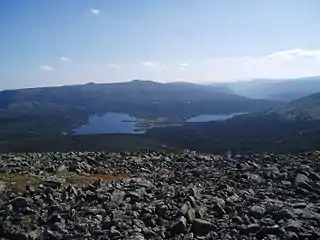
column 213, row 117
column 109, row 123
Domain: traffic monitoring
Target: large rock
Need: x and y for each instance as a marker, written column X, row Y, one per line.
column 293, row 226
column 251, row 228
column 62, row 168
column 161, row 210
column 118, row 196
column 136, row 237
column 201, row 227
column 185, row 208
column 258, row 211
column 191, row 214
column 54, row 218
column 19, row 202
column 180, row 226
column 302, row 181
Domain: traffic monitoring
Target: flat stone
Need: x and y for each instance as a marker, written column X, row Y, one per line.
column 268, row 230
column 252, row 228
column 299, row 205
column 136, row 237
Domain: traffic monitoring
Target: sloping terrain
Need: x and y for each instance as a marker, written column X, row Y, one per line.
column 307, row 108
column 150, row 195
column 294, row 127
column 262, row 132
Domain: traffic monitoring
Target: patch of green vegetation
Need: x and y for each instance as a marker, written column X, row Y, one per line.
column 316, row 153
column 19, row 182
column 87, row 179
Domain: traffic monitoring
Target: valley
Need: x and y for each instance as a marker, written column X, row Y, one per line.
column 150, row 114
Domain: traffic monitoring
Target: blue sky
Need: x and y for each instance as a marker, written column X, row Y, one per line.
column 65, row 42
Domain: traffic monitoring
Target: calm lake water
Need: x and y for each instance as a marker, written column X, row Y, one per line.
column 109, row 123
column 213, row 117
column 124, row 123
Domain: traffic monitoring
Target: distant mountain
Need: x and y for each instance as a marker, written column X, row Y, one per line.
column 306, row 108
column 223, row 89
column 283, row 90
column 59, row 109
column 131, row 93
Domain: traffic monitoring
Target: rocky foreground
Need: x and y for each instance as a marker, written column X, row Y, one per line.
column 159, row 196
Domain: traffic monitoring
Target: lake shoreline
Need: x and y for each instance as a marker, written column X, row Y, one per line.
column 112, row 123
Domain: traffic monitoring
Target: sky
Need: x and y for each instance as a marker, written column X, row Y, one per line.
column 59, row 42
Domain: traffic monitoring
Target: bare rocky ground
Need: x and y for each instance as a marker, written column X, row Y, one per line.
column 159, row 196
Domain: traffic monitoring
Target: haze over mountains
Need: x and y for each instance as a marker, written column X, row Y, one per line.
column 275, row 89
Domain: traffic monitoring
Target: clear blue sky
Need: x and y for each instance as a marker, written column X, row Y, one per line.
column 73, row 41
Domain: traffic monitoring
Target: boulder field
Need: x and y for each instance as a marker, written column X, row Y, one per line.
column 159, row 195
